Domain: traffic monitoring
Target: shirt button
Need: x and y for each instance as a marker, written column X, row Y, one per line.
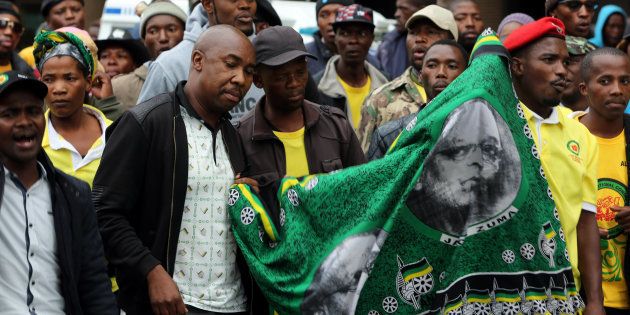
column 33, row 283
column 30, row 225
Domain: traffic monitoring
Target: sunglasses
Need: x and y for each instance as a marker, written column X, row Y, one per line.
column 575, row 5
column 16, row 27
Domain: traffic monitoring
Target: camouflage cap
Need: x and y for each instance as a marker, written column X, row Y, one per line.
column 579, row 45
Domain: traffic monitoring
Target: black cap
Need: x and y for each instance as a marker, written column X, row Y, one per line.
column 12, row 79
column 8, row 7
column 355, row 13
column 48, row 4
column 278, row 45
column 322, row 3
column 267, row 13
column 122, row 38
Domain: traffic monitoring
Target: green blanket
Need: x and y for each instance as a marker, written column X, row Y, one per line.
column 456, row 219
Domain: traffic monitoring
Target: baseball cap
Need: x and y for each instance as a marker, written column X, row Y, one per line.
column 355, row 13
column 278, row 45
column 13, row 79
column 578, row 46
column 441, row 17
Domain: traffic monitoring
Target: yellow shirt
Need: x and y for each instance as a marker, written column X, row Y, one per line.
column 421, row 90
column 612, row 184
column 66, row 158
column 27, row 55
column 355, row 97
column 568, row 154
column 294, row 152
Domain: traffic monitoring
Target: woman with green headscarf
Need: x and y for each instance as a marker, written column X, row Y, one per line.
column 75, row 132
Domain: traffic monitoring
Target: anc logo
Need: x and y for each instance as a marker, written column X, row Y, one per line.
column 574, row 147
column 3, row 78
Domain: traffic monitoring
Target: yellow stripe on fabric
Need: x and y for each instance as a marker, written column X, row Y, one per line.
column 287, row 183
column 418, row 274
column 508, row 299
column 394, row 143
column 485, row 40
column 267, row 224
column 479, row 300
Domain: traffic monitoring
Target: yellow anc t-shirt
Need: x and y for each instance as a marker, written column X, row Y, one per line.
column 568, row 153
column 612, row 183
column 294, row 152
column 355, row 97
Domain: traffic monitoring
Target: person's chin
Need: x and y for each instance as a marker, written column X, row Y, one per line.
column 248, row 30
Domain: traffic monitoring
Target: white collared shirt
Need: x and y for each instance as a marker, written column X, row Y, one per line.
column 205, row 265
column 30, row 280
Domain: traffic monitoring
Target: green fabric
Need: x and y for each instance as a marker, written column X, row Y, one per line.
column 433, row 238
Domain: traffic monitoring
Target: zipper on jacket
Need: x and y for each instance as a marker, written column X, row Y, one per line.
column 170, row 221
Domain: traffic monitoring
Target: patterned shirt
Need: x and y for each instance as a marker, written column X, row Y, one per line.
column 393, row 100
column 205, row 265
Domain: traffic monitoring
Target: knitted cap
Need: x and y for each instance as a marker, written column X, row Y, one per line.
column 160, row 8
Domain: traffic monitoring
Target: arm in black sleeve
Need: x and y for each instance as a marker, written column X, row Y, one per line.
column 117, row 187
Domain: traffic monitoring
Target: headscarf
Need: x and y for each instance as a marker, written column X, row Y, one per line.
column 63, row 43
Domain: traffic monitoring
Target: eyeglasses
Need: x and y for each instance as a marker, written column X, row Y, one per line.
column 16, row 27
column 575, row 5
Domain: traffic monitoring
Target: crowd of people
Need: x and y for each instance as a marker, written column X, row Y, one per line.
column 117, row 154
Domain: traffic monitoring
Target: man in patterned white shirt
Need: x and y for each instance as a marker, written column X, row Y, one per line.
column 162, row 188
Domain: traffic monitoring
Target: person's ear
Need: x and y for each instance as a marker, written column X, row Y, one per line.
column 583, row 89
column 517, row 66
column 197, row 59
column 208, row 6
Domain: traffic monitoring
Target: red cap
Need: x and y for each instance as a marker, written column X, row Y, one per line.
column 528, row 33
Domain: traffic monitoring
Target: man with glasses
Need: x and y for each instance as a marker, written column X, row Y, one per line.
column 11, row 30
column 348, row 78
column 577, row 15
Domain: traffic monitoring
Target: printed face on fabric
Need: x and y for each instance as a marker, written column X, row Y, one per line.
column 21, row 126
column 333, row 290
column 472, row 174
column 421, row 35
column 608, row 87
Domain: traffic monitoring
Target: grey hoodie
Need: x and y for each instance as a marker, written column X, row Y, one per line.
column 172, row 66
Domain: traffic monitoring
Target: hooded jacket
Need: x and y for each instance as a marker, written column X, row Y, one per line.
column 602, row 18
column 172, row 66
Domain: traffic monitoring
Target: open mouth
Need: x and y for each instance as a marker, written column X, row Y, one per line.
column 26, row 141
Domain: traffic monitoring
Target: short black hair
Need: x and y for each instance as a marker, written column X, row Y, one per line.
column 456, row 2
column 453, row 43
column 587, row 62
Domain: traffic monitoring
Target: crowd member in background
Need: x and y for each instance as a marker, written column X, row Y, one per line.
column 512, row 22
column 120, row 53
column 444, row 61
column 567, row 151
column 610, row 25
column 162, row 188
column 266, row 16
column 606, row 73
column 348, row 78
column 571, row 97
column 162, row 28
column 392, row 53
column 52, row 255
column 286, row 134
column 11, row 30
column 469, row 22
column 75, row 132
column 624, row 43
column 577, row 15
column 404, row 95
column 57, row 14
column 173, row 66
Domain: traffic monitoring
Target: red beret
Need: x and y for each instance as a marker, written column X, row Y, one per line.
column 529, row 33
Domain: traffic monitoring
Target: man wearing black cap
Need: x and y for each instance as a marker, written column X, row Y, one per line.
column 58, row 14
column 286, row 134
column 11, row 30
column 348, row 78
column 53, row 260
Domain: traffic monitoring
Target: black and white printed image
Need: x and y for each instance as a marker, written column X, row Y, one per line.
column 471, row 175
column 339, row 279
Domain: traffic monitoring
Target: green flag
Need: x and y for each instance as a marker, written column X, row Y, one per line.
column 457, row 217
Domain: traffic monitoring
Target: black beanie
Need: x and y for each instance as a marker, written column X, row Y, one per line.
column 7, row 7
column 48, row 4
column 322, row 3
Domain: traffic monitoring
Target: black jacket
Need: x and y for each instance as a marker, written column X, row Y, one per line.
column 85, row 286
column 140, row 188
column 385, row 135
column 18, row 64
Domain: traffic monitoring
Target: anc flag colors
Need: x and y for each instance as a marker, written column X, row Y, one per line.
column 419, row 231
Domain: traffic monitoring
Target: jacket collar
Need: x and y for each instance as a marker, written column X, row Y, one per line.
column 183, row 101
column 262, row 127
